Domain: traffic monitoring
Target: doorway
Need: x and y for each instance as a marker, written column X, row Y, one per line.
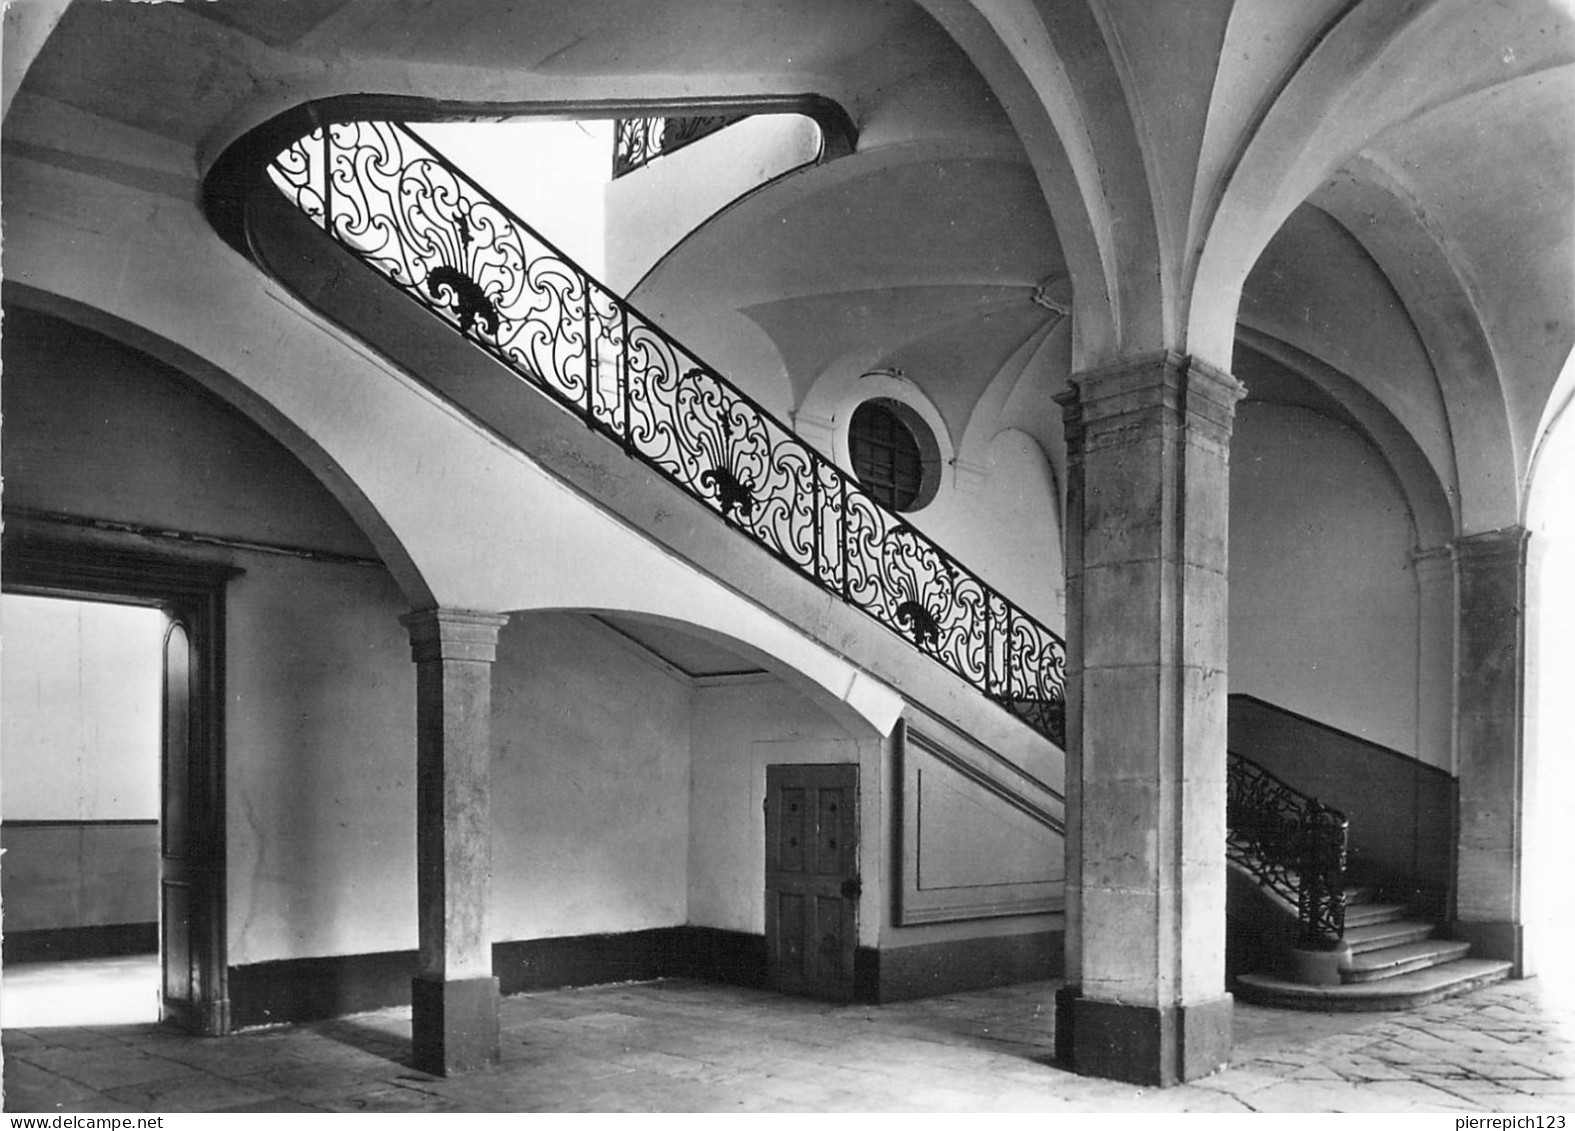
column 812, row 879
column 79, row 757
column 145, row 871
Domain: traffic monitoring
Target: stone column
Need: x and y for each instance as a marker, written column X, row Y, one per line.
column 1148, row 485
column 1490, row 690
column 1435, row 706
column 454, row 996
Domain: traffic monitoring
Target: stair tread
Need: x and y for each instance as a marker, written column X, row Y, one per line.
column 1371, row 936
column 1374, row 912
column 1409, row 985
column 1408, row 952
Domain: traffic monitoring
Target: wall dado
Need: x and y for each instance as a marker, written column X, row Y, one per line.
column 80, row 889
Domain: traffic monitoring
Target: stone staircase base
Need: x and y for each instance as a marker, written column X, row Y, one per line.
column 1388, row 962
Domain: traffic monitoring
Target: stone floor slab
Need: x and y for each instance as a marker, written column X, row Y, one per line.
column 690, row 1046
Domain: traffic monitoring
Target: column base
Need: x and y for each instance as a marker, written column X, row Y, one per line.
column 1503, row 941
column 454, row 1024
column 1144, row 1044
column 1066, row 999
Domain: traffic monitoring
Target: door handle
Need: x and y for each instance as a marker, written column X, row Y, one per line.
column 852, row 888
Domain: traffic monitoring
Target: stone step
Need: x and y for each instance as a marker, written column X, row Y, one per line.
column 1403, row 991
column 1359, row 895
column 1394, row 960
column 1376, row 936
column 1366, row 914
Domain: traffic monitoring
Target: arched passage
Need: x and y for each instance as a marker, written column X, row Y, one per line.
column 1549, row 780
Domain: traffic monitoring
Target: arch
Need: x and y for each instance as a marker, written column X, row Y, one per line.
column 1051, row 69
column 1373, row 66
column 1386, row 217
column 1425, row 494
column 1282, row 160
column 863, row 716
column 1549, row 771
column 992, row 412
column 317, row 460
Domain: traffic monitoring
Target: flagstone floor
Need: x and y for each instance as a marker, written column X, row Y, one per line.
column 692, row 1046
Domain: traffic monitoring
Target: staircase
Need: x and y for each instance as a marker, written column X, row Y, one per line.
column 1347, row 949
column 439, row 239
column 1390, row 961
column 391, row 202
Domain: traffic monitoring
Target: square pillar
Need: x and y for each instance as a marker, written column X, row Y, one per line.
column 1490, row 695
column 1148, row 446
column 454, row 997
column 1435, row 707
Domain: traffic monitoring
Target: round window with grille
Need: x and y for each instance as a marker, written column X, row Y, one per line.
column 894, row 454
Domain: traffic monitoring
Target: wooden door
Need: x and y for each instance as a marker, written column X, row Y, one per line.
column 179, row 873
column 812, row 880
column 191, row 859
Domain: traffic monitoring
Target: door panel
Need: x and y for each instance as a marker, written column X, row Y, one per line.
column 181, row 869
column 812, row 884
column 175, row 948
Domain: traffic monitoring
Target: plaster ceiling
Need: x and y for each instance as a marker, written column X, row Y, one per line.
column 695, row 656
column 1462, row 111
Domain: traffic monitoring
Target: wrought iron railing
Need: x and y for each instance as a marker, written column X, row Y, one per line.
column 638, row 141
column 433, row 232
column 1293, row 844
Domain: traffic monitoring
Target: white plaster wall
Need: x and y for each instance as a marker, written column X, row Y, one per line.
column 549, row 174
column 79, row 726
column 1549, row 782
column 651, row 209
column 320, row 707
column 1324, row 607
column 739, row 729
column 1316, row 288
column 320, row 726
column 1003, row 522
column 590, row 786
column 95, row 428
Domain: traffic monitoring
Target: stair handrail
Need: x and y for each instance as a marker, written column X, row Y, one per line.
column 639, row 141
column 1291, row 843
column 426, row 227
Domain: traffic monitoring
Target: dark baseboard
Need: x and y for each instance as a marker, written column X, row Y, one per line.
column 62, row 944
column 312, row 989
column 930, row 969
column 734, row 957
column 631, row 956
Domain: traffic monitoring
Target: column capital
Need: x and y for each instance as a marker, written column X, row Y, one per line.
column 1111, row 397
column 453, row 634
column 1434, row 563
column 1505, row 544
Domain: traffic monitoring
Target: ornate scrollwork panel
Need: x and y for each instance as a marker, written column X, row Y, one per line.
column 431, row 231
column 1292, row 844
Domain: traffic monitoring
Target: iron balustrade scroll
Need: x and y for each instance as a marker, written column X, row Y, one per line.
column 1293, row 844
column 639, row 141
column 390, row 199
